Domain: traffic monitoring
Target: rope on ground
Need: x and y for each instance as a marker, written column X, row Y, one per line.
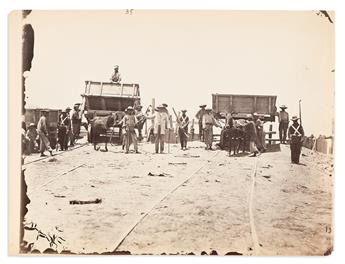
column 161, row 200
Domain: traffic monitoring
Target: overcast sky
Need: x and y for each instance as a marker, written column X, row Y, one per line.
column 183, row 57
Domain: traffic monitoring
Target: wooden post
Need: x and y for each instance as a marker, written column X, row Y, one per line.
column 146, row 129
column 270, row 134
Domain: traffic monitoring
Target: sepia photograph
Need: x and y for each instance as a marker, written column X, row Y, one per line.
column 172, row 132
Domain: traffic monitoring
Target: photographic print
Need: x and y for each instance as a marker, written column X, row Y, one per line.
column 172, row 132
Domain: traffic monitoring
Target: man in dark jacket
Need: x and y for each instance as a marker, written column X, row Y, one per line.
column 199, row 115
column 183, row 129
column 283, row 118
column 296, row 134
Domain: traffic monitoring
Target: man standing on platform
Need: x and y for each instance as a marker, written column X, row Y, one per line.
column 116, row 77
column 296, row 134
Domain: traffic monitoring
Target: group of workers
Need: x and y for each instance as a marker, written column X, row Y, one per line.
column 69, row 126
column 161, row 124
column 37, row 137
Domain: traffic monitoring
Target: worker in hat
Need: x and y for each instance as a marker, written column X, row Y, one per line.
column 129, row 122
column 75, row 123
column 116, row 76
column 208, row 121
column 42, row 129
column 261, row 140
column 141, row 121
column 161, row 126
column 199, row 115
column 183, row 129
column 63, row 126
column 32, row 136
column 296, row 135
column 68, row 124
column 283, row 118
column 252, row 136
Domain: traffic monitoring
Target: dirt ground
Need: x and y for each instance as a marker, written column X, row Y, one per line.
column 182, row 202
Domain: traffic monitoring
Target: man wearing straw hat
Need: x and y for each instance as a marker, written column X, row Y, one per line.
column 160, row 127
column 116, row 77
column 43, row 134
column 283, row 118
column 296, row 134
column 208, row 121
column 129, row 121
column 32, row 135
column 252, row 135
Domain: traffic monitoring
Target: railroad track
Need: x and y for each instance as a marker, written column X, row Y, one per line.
column 155, row 205
column 253, row 234
column 55, row 154
column 54, row 179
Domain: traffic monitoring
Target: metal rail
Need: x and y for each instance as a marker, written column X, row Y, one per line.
column 55, row 154
column 121, row 240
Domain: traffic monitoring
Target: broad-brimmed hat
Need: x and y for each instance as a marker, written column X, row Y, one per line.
column 183, row 110
column 129, row 108
column 294, row 118
column 44, row 110
column 116, row 66
column 208, row 110
column 202, row 106
column 31, row 125
column 164, row 105
column 283, row 106
column 68, row 109
column 77, row 104
column 160, row 107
